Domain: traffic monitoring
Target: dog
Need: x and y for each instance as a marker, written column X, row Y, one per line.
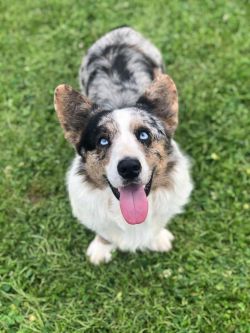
column 129, row 177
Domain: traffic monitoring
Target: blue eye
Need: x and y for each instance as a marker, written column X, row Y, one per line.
column 143, row 136
column 103, row 142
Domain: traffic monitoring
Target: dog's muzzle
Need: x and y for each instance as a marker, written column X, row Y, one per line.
column 116, row 192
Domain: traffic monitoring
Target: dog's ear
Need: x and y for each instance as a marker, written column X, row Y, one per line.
column 161, row 97
column 73, row 110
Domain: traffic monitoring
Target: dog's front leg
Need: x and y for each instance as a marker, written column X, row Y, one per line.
column 162, row 242
column 100, row 250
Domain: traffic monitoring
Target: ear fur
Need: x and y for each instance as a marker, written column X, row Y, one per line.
column 73, row 110
column 161, row 96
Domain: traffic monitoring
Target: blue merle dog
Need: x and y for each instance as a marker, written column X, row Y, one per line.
column 128, row 177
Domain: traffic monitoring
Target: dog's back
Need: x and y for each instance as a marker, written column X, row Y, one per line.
column 118, row 68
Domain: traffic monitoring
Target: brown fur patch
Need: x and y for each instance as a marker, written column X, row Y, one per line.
column 162, row 94
column 158, row 159
column 72, row 110
column 95, row 168
column 163, row 175
column 94, row 162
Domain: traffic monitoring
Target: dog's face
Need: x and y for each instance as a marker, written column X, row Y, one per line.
column 127, row 149
column 123, row 147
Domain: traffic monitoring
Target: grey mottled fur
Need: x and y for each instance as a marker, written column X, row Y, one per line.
column 118, row 68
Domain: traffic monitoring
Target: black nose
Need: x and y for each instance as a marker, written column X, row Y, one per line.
column 129, row 168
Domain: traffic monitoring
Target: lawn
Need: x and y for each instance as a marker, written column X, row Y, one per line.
column 46, row 283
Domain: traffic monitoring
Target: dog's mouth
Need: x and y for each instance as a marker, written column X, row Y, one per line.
column 133, row 200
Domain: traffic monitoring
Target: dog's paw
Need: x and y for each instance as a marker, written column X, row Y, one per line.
column 99, row 251
column 162, row 242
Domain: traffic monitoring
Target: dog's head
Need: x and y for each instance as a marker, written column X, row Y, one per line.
column 126, row 149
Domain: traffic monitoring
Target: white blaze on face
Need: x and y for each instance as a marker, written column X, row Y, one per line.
column 125, row 144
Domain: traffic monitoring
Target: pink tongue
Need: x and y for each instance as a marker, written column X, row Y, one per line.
column 133, row 204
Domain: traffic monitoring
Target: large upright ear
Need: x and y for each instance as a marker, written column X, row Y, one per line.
column 72, row 110
column 161, row 96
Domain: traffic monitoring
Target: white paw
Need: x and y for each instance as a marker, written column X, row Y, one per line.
column 99, row 251
column 162, row 242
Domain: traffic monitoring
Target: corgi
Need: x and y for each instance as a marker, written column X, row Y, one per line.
column 129, row 176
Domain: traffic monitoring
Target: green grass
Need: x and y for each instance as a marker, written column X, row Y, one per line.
column 46, row 283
